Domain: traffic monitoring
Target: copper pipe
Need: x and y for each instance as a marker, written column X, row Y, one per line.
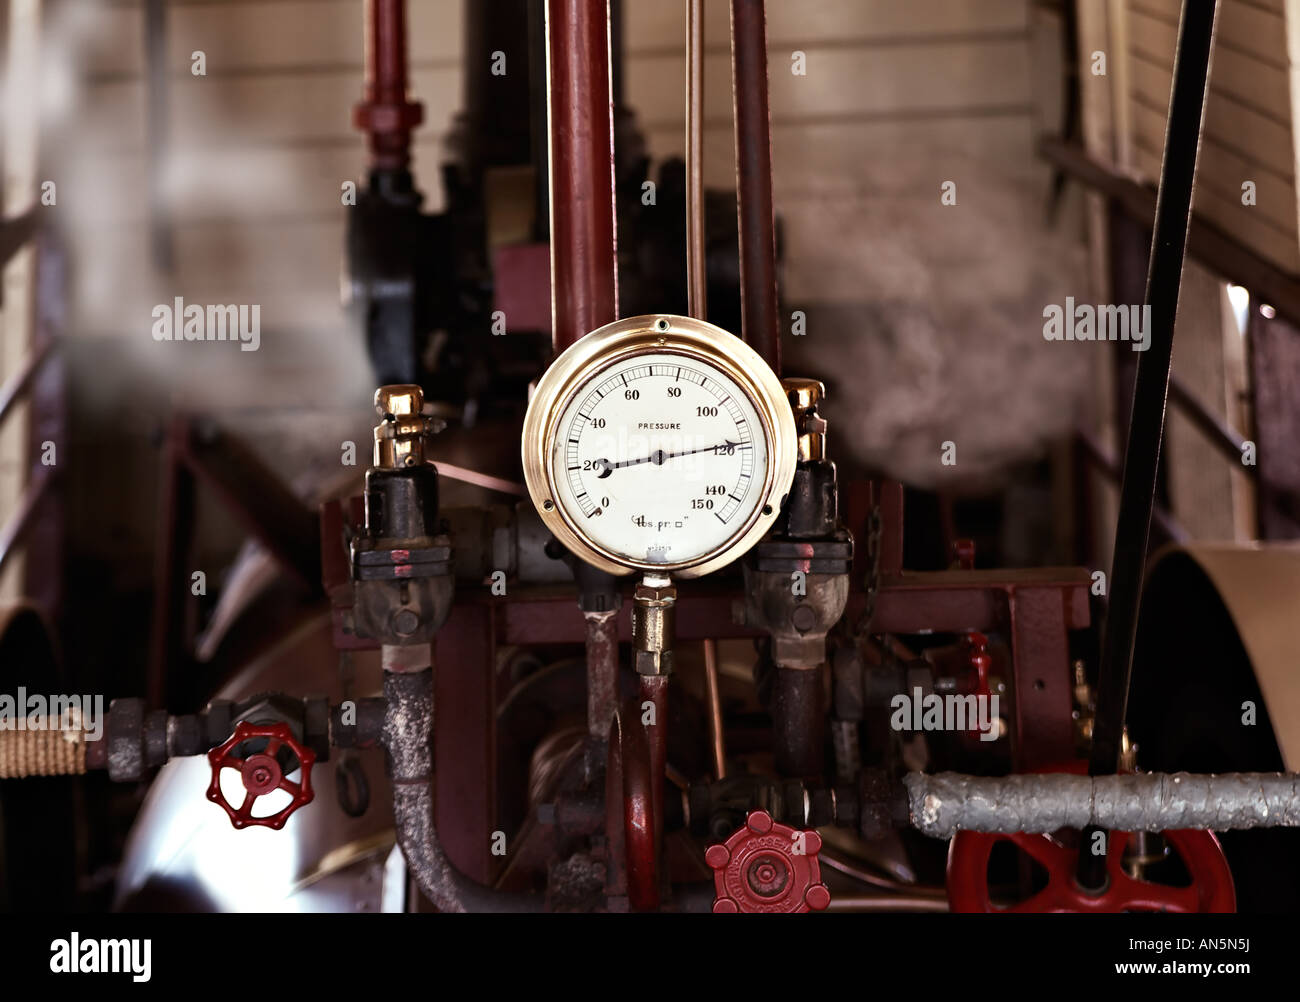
column 697, row 281
column 467, row 476
column 758, row 302
column 876, row 880
column 654, row 689
column 584, row 273
column 643, row 751
column 886, row 903
column 631, row 745
column 715, row 708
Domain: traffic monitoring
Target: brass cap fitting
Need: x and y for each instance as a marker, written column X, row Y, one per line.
column 805, row 395
column 399, row 436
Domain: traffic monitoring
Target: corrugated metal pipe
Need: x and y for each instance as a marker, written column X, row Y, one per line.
column 944, row 803
column 408, row 731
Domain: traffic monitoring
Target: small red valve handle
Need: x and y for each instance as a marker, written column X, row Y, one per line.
column 978, row 682
column 1211, row 888
column 963, row 554
column 767, row 867
column 980, row 662
column 261, row 773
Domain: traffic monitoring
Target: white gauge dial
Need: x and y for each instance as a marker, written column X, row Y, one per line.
column 660, row 458
column 659, row 443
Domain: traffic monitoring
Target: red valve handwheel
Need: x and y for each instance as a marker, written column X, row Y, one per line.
column 1210, row 890
column 767, row 867
column 261, row 773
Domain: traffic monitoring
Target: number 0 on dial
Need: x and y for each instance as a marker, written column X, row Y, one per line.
column 659, row 443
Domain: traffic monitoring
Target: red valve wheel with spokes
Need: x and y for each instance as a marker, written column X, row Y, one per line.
column 261, row 772
column 1210, row 889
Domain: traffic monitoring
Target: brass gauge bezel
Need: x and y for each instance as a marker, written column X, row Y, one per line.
column 659, row 333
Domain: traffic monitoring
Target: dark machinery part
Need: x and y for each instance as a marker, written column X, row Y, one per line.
column 352, row 785
column 422, row 287
column 1146, row 424
column 401, row 563
column 848, row 708
column 599, row 598
column 403, row 583
column 716, row 809
column 419, row 285
column 137, row 740
column 797, row 587
column 389, row 241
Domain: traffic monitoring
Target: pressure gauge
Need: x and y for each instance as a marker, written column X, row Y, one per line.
column 661, row 444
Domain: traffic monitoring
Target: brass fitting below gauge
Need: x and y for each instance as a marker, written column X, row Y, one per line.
column 805, row 395
column 654, row 613
column 399, row 436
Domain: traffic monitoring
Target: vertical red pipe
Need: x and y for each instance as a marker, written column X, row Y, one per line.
column 584, row 275
column 385, row 114
column 760, row 324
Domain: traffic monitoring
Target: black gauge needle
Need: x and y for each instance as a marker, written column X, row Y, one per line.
column 604, row 467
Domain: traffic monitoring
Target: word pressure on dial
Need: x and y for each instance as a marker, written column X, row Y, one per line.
column 659, row 443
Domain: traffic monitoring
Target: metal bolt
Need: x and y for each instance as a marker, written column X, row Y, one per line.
column 405, row 622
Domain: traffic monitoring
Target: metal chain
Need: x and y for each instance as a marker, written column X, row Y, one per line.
column 875, row 529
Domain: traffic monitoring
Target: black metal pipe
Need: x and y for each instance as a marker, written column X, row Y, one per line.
column 798, row 722
column 1150, row 392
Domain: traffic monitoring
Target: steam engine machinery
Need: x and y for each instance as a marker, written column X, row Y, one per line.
column 681, row 665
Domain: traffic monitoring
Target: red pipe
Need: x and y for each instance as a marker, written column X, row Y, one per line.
column 385, row 115
column 584, row 273
column 759, row 322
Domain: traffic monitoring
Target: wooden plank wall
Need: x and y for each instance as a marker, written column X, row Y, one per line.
column 19, row 135
column 1248, row 121
column 259, row 149
column 887, row 86
column 1247, row 136
column 261, row 144
column 897, row 98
